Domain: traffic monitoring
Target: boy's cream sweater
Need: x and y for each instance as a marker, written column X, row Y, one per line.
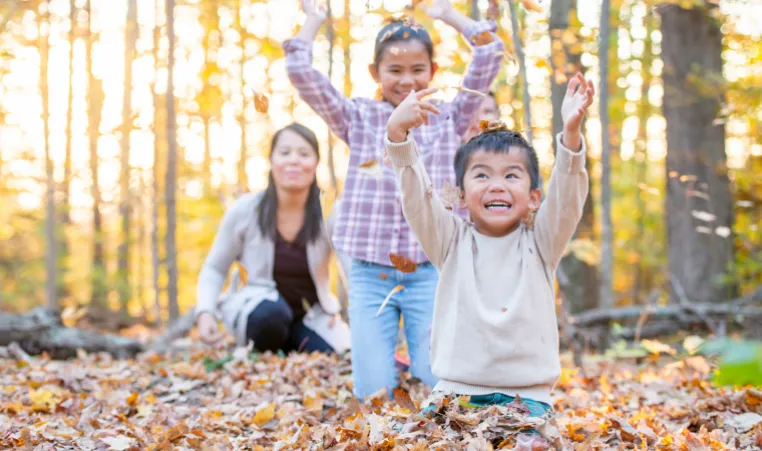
column 494, row 327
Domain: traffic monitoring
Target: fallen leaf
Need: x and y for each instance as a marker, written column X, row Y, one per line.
column 261, row 102
column 402, row 263
column 371, row 168
column 118, row 443
column 402, row 398
column 396, row 289
column 657, row 347
column 132, row 399
column 264, row 415
column 629, row 433
column 744, row 422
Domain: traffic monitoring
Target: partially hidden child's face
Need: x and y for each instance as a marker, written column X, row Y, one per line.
column 404, row 66
column 293, row 162
column 497, row 191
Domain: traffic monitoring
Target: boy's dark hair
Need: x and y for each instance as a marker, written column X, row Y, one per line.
column 500, row 141
column 268, row 206
column 400, row 30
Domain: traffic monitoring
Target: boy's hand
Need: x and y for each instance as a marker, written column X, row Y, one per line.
column 313, row 12
column 579, row 96
column 411, row 113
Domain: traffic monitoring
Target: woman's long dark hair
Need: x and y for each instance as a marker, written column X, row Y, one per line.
column 268, row 206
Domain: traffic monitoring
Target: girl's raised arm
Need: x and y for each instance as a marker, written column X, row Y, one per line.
column 484, row 67
column 314, row 87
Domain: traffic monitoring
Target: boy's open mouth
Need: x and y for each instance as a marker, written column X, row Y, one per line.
column 498, row 206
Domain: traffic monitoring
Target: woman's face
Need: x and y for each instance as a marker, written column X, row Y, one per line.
column 293, row 162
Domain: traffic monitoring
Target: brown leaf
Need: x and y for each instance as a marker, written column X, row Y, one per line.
column 261, row 102
column 383, row 276
column 492, row 126
column 471, row 91
column 402, row 398
column 402, row 263
column 629, row 433
column 450, row 195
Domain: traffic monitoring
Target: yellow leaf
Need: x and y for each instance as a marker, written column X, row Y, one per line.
column 542, row 63
column 132, row 399
column 657, row 347
column 42, row 400
column 692, row 343
column 264, row 414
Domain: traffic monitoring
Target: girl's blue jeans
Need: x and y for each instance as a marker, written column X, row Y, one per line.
column 374, row 338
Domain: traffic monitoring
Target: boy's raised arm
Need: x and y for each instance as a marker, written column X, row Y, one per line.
column 432, row 224
column 314, row 87
column 561, row 210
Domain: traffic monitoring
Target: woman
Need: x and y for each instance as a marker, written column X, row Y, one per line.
column 279, row 237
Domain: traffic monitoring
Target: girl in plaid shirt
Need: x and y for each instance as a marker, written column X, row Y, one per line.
column 370, row 224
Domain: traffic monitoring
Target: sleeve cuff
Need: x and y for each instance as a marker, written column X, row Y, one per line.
column 296, row 44
column 478, row 28
column 402, row 154
column 568, row 160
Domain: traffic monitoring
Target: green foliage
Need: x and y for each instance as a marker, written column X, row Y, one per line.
column 740, row 361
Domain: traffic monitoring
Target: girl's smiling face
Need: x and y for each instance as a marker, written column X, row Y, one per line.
column 404, row 66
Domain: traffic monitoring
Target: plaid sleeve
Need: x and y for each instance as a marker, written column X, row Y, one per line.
column 480, row 74
column 315, row 88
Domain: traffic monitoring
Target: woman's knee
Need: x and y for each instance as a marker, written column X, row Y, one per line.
column 269, row 325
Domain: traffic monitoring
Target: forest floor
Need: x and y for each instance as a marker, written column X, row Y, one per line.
column 214, row 399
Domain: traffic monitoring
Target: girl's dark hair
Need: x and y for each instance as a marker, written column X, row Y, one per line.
column 497, row 142
column 398, row 31
column 268, row 207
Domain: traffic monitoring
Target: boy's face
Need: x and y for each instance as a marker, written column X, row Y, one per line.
column 496, row 191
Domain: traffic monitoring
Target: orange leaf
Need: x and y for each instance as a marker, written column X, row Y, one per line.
column 261, row 102
column 370, row 168
column 403, row 264
column 132, row 399
column 485, row 37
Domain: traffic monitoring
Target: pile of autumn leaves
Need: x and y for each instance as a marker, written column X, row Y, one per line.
column 209, row 400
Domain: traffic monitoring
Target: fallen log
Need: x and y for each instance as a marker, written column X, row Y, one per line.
column 595, row 327
column 41, row 330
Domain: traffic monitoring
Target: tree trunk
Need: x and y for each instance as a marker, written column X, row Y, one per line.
column 641, row 156
column 565, row 61
column 69, row 117
column 99, row 294
column 125, row 201
column 243, row 179
column 206, row 171
column 607, row 245
column 527, row 103
column 171, row 176
column 156, row 174
column 331, row 40
column 51, row 258
column 475, row 9
column 140, row 211
column 698, row 189
column 65, row 207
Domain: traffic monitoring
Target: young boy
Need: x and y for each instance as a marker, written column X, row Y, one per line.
column 494, row 332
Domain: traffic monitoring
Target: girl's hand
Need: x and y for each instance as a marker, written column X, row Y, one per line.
column 441, row 10
column 411, row 113
column 208, row 329
column 579, row 96
column 317, row 13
